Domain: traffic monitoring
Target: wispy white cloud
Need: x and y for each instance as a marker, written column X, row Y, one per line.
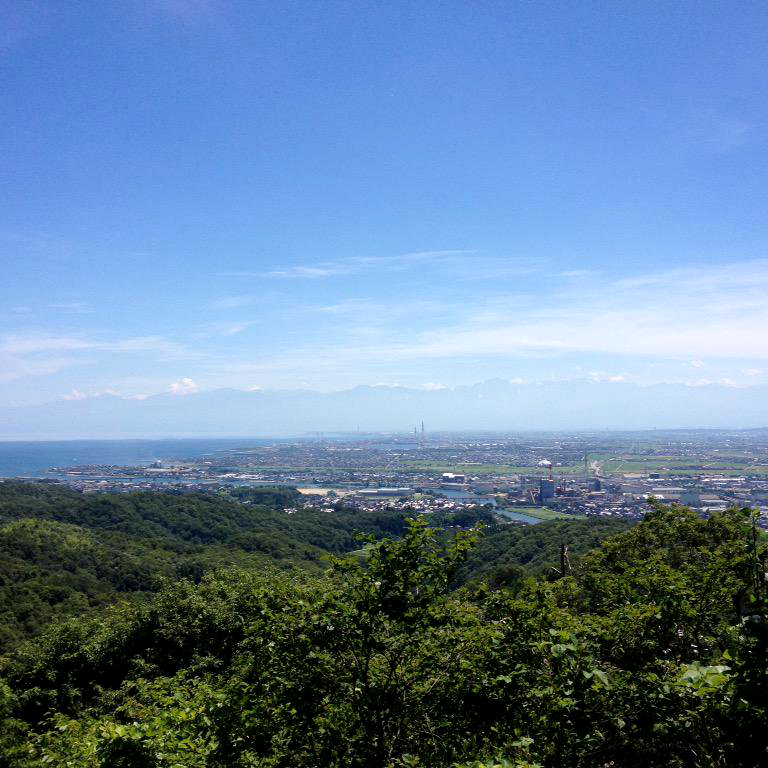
column 412, row 257
column 722, row 382
column 298, row 271
column 666, row 323
column 356, row 264
column 26, row 344
column 232, row 302
column 145, row 344
column 600, row 377
column 575, row 273
column 302, row 272
column 75, row 307
column 13, row 368
column 383, row 310
column 39, row 354
column 33, row 343
column 710, row 311
column 232, row 328
column 185, row 386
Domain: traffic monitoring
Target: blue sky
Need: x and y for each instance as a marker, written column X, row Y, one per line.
column 209, row 193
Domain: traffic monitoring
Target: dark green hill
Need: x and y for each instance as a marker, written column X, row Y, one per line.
column 65, row 553
column 505, row 555
column 651, row 653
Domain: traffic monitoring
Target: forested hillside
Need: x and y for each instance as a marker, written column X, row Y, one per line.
column 506, row 555
column 651, row 652
column 65, row 553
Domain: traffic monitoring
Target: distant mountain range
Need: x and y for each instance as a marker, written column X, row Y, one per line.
column 490, row 405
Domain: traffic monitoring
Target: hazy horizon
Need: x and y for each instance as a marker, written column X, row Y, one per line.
column 493, row 405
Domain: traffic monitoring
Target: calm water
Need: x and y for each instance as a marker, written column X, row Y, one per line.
column 32, row 459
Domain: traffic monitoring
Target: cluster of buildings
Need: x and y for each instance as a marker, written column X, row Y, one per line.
column 595, row 475
column 410, row 504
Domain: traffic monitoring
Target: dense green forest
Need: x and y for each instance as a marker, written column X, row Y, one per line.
column 65, row 553
column 649, row 650
column 505, row 556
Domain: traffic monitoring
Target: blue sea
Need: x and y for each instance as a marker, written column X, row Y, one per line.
column 34, row 459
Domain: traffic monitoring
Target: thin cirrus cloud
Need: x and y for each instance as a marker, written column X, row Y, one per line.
column 410, row 258
column 75, row 307
column 680, row 319
column 708, row 311
column 382, row 310
column 13, row 368
column 211, row 330
column 356, row 264
column 25, row 344
column 714, row 311
column 304, row 272
column 300, row 272
column 39, row 354
column 232, row 302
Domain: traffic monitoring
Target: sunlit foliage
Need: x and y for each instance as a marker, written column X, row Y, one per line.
column 651, row 652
